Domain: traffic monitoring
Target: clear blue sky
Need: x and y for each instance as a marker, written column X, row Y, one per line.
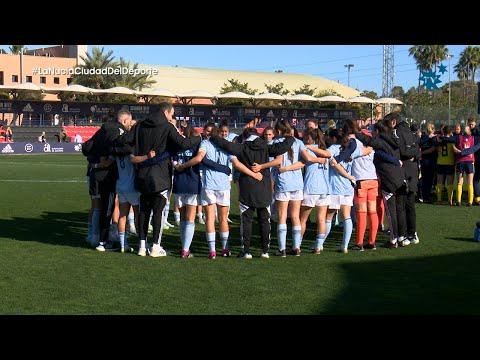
column 326, row 61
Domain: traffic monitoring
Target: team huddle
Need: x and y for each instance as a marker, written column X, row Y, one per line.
column 278, row 175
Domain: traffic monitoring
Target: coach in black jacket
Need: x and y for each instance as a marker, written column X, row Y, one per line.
column 158, row 134
column 254, row 194
column 103, row 180
column 409, row 154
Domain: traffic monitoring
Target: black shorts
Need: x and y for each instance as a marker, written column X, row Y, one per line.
column 466, row 167
column 445, row 169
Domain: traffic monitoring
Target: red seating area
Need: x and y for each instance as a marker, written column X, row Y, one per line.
column 86, row 132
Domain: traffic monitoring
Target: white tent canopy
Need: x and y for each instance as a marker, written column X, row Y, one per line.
column 235, row 95
column 75, row 89
column 301, row 97
column 197, row 94
column 386, row 100
column 157, row 92
column 362, row 100
column 332, row 98
column 115, row 90
column 24, row 87
column 269, row 96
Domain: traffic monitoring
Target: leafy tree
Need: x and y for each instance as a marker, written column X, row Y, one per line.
column 235, row 85
column 398, row 92
column 328, row 92
column 305, row 89
column 277, row 89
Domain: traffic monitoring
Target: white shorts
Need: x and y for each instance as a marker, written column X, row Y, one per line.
column 316, row 200
column 289, row 195
column 186, row 199
column 337, row 200
column 132, row 198
column 220, row 197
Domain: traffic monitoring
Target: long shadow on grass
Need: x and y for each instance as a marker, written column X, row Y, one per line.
column 57, row 228
column 447, row 284
column 70, row 229
column 467, row 239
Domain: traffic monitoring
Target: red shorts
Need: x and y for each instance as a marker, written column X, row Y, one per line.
column 366, row 190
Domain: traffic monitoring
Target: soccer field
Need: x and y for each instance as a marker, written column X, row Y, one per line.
column 47, row 267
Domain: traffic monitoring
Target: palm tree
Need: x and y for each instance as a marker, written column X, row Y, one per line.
column 470, row 57
column 437, row 53
column 132, row 81
column 418, row 53
column 95, row 60
column 16, row 49
column 462, row 72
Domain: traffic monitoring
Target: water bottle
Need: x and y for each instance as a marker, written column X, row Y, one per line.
column 476, row 234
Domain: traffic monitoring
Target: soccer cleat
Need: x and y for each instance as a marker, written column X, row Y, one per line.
column 391, row 245
column 229, row 221
column 100, row 247
column 177, row 222
column 201, row 220
column 317, row 251
column 226, row 253
column 295, row 252
column 212, row 255
column 166, row 223
column 357, row 247
column 403, row 243
column 343, row 250
column 265, row 256
column 245, row 256
column 112, row 246
column 157, row 251
column 369, row 246
column 150, row 228
column 142, row 252
column 186, row 255
column 281, row 253
column 414, row 239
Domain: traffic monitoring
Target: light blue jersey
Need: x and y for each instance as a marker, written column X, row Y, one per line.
column 231, row 136
column 363, row 168
column 317, row 179
column 273, row 169
column 340, row 185
column 126, row 175
column 290, row 180
column 211, row 179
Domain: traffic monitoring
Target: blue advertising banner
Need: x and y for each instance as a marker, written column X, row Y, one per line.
column 40, row 148
column 142, row 110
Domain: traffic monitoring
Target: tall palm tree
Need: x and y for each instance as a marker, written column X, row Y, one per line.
column 462, row 72
column 16, row 49
column 96, row 60
column 132, row 81
column 470, row 57
column 437, row 53
column 418, row 53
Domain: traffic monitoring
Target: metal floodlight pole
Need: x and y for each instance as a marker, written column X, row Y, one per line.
column 450, row 56
column 348, row 66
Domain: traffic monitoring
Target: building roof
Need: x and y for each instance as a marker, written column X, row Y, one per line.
column 184, row 79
